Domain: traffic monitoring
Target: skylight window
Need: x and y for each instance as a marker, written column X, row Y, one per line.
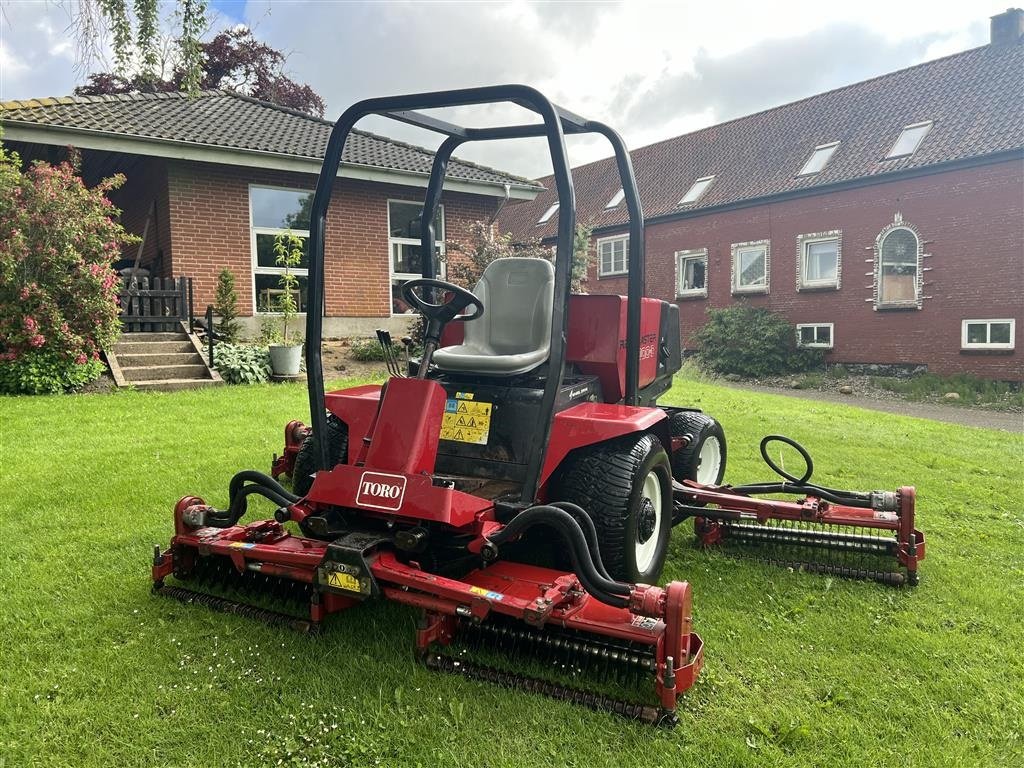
column 616, row 199
column 700, row 186
column 910, row 139
column 548, row 214
column 819, row 158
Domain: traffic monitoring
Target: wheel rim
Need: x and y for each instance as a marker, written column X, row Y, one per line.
column 648, row 532
column 709, row 461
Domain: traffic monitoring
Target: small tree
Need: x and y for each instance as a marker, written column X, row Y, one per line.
column 225, row 305
column 288, row 249
column 58, row 290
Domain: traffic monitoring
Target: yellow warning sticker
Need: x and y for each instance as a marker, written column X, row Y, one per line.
column 464, row 395
column 466, row 421
column 342, row 581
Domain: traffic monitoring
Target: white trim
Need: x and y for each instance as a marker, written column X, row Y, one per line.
column 680, row 256
column 964, row 344
column 625, row 256
column 737, row 249
column 616, row 199
column 544, row 219
column 438, row 242
column 255, row 267
column 802, row 243
column 814, row 153
column 15, row 130
column 707, row 181
column 816, row 344
column 926, row 124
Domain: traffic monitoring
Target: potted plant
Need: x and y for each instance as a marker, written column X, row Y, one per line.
column 286, row 357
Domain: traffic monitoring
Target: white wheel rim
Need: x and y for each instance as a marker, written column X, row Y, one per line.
column 709, row 462
column 646, row 551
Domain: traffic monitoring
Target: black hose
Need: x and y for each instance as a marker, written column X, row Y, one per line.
column 601, row 588
column 238, row 504
column 252, row 476
column 589, row 530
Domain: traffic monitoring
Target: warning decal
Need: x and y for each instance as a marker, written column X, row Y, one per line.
column 466, row 421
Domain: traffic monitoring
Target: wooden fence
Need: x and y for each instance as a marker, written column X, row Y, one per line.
column 156, row 304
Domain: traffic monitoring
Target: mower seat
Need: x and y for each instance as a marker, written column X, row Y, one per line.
column 513, row 335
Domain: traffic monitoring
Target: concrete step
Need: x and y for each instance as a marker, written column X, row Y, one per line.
column 156, row 336
column 172, row 385
column 140, row 347
column 164, row 372
column 158, row 358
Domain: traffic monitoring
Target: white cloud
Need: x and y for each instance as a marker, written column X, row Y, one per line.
column 652, row 70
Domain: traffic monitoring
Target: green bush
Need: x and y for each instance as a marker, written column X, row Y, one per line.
column 751, row 342
column 225, row 306
column 242, row 363
column 366, row 351
column 58, row 289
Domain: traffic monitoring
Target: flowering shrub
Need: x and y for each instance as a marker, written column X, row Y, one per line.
column 58, row 290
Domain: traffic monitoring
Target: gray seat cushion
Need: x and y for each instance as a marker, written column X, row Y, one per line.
column 513, row 335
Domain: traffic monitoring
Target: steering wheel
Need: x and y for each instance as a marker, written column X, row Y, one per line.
column 458, row 300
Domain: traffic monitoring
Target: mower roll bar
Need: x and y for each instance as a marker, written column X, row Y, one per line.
column 556, row 123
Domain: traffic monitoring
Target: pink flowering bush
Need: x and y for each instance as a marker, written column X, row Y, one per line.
column 58, row 290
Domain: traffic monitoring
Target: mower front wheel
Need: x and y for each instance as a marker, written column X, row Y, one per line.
column 305, row 459
column 625, row 486
column 702, row 459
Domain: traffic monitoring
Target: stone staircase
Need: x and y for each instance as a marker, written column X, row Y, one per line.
column 161, row 361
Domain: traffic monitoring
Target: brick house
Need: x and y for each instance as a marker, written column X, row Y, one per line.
column 885, row 219
column 211, row 181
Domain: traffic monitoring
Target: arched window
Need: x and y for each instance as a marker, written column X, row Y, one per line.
column 898, row 266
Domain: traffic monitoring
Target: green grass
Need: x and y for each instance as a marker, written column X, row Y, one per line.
column 801, row 670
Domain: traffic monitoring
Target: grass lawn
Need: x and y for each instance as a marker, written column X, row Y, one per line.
column 801, row 670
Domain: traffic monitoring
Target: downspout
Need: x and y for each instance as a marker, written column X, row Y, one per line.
column 497, row 211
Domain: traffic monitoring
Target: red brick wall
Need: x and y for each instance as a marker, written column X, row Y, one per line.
column 210, row 230
column 971, row 222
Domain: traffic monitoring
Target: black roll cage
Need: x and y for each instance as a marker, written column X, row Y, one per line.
column 556, row 123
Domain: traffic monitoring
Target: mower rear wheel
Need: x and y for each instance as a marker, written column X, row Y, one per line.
column 305, row 459
column 625, row 486
column 702, row 459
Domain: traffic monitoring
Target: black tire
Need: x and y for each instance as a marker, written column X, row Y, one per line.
column 305, row 459
column 698, row 428
column 608, row 482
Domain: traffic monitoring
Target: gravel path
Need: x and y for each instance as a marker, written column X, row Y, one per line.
column 953, row 414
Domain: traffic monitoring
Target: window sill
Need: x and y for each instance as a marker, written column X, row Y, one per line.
column 826, row 347
column 910, row 305
column 609, row 275
column 750, row 291
column 987, row 350
column 692, row 295
column 810, row 288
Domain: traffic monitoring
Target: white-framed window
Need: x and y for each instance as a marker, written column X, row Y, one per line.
column 405, row 249
column 616, row 199
column 750, row 265
column 988, row 334
column 273, row 211
column 613, row 256
column 692, row 272
column 898, row 267
column 815, row 335
column 548, row 214
column 819, row 158
column 819, row 260
column 697, row 190
column 910, row 139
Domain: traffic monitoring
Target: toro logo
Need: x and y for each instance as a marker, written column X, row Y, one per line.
column 381, row 491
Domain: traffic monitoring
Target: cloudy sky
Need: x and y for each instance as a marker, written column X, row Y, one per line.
column 652, row 70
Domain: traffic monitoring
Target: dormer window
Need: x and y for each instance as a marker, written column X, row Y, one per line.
column 616, row 199
column 819, row 158
column 548, row 214
column 909, row 140
column 695, row 192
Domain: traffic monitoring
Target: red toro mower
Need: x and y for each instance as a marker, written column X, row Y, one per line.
column 517, row 482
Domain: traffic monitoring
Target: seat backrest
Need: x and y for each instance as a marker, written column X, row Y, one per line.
column 517, row 295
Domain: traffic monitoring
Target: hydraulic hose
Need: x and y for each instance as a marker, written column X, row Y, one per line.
column 589, row 530
column 603, row 589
